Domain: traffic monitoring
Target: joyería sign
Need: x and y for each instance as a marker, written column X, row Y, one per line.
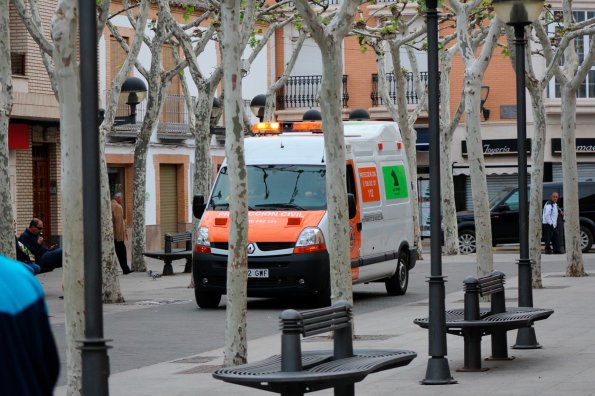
column 583, row 146
column 499, row 147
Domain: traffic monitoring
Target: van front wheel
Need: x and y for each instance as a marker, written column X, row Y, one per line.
column 397, row 284
column 207, row 300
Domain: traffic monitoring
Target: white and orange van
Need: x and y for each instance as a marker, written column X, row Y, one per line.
column 288, row 220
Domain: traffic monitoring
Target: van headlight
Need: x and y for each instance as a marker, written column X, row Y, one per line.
column 310, row 240
column 202, row 244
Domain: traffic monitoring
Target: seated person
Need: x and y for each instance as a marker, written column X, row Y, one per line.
column 26, row 257
column 31, row 238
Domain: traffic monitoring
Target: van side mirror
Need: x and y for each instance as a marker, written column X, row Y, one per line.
column 198, row 206
column 351, row 204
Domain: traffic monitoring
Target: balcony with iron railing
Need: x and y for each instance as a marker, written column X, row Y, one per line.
column 410, row 92
column 304, row 92
column 172, row 123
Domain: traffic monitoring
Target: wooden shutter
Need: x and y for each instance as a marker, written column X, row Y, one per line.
column 168, row 183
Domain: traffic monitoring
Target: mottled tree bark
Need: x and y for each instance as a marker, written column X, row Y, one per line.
column 329, row 38
column 64, row 35
column 111, row 284
column 235, row 351
column 7, row 244
column 475, row 66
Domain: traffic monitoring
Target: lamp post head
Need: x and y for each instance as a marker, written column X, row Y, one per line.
column 312, row 115
column 257, row 105
column 518, row 12
column 216, row 112
column 133, row 92
column 359, row 115
column 136, row 86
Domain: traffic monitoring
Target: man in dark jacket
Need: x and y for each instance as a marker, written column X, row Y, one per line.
column 47, row 259
column 29, row 363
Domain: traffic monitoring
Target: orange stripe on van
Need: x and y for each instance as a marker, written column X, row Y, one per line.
column 263, row 226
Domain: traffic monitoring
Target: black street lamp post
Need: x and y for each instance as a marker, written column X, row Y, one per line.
column 520, row 13
column 438, row 371
column 95, row 361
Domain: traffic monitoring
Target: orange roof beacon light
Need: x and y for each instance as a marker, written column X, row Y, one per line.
column 266, row 128
column 307, row 126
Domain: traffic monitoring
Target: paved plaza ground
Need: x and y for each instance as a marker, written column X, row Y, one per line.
column 564, row 366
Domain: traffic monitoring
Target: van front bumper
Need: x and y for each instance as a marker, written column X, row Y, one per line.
column 292, row 274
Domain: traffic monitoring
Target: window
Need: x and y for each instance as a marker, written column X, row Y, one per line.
column 277, row 187
column 17, row 63
column 587, row 88
column 513, row 201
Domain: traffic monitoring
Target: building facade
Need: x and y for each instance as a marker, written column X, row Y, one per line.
column 34, row 130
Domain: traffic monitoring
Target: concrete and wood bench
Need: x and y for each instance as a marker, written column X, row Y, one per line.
column 473, row 322
column 295, row 372
column 170, row 254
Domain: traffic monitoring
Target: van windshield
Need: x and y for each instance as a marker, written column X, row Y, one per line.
column 276, row 187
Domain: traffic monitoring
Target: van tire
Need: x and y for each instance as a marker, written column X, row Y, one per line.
column 467, row 241
column 207, row 300
column 397, row 284
column 586, row 239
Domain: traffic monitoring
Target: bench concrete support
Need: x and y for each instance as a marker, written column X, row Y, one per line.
column 168, row 269
column 472, row 337
column 499, row 340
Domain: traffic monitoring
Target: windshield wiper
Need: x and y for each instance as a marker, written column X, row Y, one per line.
column 224, row 206
column 286, row 205
column 221, row 206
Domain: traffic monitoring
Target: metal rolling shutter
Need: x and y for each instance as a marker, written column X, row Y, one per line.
column 586, row 172
column 168, row 183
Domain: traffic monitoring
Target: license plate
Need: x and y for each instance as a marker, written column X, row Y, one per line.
column 258, row 273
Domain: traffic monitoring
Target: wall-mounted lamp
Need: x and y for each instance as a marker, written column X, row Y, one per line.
column 485, row 92
column 133, row 92
column 245, row 67
column 216, row 112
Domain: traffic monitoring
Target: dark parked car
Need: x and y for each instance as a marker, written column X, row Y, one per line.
column 505, row 216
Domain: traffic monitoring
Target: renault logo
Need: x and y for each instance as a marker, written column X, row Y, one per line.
column 251, row 248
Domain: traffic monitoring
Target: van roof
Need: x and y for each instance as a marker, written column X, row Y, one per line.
column 308, row 148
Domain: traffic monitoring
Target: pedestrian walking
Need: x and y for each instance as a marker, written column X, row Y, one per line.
column 120, row 232
column 550, row 225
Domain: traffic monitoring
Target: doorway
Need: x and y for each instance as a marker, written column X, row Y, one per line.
column 168, row 191
column 41, row 190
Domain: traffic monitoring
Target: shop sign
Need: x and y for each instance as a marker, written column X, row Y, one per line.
column 584, row 146
column 499, row 147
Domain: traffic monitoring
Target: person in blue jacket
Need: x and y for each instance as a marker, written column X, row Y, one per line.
column 29, row 363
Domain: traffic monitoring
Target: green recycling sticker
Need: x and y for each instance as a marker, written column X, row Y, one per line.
column 395, row 181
